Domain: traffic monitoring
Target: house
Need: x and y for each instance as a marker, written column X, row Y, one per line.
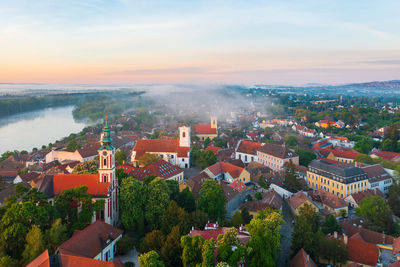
column 97, row 241
column 325, row 123
column 214, row 149
column 213, row 230
column 337, row 178
column 234, row 195
column 10, row 191
column 26, row 177
column 355, row 230
column 270, row 199
column 355, row 199
column 297, row 201
column 103, row 185
column 246, row 151
column 45, row 260
column 390, row 156
column 160, row 168
column 331, row 203
column 174, row 150
column 194, row 184
column 227, row 172
column 302, row 259
column 85, row 153
column 360, row 252
column 345, row 155
column 304, row 131
column 275, row 156
column 378, row 178
column 204, row 131
column 10, row 166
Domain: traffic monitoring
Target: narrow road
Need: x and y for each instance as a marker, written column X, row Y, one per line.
column 286, row 237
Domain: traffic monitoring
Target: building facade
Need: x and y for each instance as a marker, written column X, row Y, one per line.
column 275, row 156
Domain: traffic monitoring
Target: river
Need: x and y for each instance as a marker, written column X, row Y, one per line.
column 33, row 129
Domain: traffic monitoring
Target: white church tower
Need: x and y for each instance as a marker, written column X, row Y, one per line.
column 107, row 175
column 184, row 136
column 214, row 124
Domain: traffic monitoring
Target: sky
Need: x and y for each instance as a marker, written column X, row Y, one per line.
column 199, row 42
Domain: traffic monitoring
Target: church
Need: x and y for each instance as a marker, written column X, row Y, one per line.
column 103, row 185
column 204, row 131
column 173, row 150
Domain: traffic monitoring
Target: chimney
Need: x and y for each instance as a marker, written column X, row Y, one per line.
column 345, row 239
column 335, row 235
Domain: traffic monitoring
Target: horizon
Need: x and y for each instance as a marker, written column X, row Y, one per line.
column 208, row 42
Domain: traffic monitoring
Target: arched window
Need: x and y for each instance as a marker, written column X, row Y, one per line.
column 104, row 178
column 105, row 162
column 184, row 134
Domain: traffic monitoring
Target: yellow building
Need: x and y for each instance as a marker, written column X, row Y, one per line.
column 341, row 181
column 204, row 131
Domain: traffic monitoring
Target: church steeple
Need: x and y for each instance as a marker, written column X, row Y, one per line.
column 106, row 137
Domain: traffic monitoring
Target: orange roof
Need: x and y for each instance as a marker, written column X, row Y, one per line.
column 41, row 261
column 170, row 145
column 296, row 200
column 223, row 167
column 204, row 129
column 348, row 154
column 238, row 185
column 249, row 147
column 213, row 149
column 363, row 252
column 302, row 259
column 76, row 261
column 62, row 182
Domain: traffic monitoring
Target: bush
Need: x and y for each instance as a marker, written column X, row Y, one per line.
column 258, row 195
column 129, row 264
column 125, row 244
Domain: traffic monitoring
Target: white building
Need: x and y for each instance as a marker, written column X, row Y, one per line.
column 378, row 178
column 246, row 151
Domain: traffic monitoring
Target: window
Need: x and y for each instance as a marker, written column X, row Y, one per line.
column 105, row 162
column 184, row 134
column 104, row 178
column 183, row 160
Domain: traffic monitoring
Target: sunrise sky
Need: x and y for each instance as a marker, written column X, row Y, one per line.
column 243, row 42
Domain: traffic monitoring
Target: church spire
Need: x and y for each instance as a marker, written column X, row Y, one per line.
column 106, row 139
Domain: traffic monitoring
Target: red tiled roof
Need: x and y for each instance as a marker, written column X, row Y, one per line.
column 278, row 151
column 204, row 129
column 376, row 173
column 213, row 149
column 76, row 261
column 238, row 185
column 348, row 154
column 396, row 246
column 41, row 261
column 249, row 147
column 170, row 145
column 296, row 200
column 90, row 241
column 363, row 252
column 367, row 193
column 89, row 150
column 366, row 234
column 223, row 167
column 331, row 200
column 62, row 182
column 391, row 156
column 163, row 169
column 302, row 259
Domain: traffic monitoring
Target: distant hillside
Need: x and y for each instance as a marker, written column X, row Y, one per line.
column 395, row 84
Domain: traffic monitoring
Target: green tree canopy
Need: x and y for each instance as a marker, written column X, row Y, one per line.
column 175, row 216
column 171, row 251
column 150, row 259
column 152, row 241
column 120, row 156
column 72, row 146
column 192, row 250
column 212, row 200
column 147, row 158
column 157, row 201
column 291, row 140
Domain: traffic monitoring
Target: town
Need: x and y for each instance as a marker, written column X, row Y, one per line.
column 266, row 179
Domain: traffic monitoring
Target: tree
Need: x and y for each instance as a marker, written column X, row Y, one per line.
column 171, row 251
column 132, row 198
column 157, row 200
column 207, row 142
column 212, row 200
column 332, row 250
column 206, row 159
column 120, row 174
column 34, row 244
column 305, row 156
column 198, row 219
column 6, row 155
column 150, row 259
column 175, row 216
column 225, row 244
column 262, row 183
column 173, row 187
column 378, row 214
column 237, row 219
column 258, row 195
column 304, row 232
column 246, row 215
column 331, row 225
column 265, row 241
column 120, row 156
column 208, row 253
column 219, row 142
column 186, row 200
column 72, row 145
column 87, row 167
column 394, row 198
column 291, row 177
column 8, row 261
column 364, row 145
column 192, row 248
column 56, row 235
column 291, row 140
column 152, row 241
column 147, row 158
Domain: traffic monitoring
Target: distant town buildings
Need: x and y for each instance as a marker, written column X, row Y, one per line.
column 204, row 131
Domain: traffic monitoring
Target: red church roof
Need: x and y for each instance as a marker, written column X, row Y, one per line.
column 204, row 129
column 249, row 147
column 170, row 145
column 62, row 182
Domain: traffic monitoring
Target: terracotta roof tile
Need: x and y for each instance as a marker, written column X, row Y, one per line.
column 238, row 185
column 298, row 199
column 90, row 241
column 223, row 167
column 62, row 182
column 204, row 129
column 278, row 151
column 213, row 149
column 41, row 261
column 302, row 259
column 363, row 252
column 160, row 145
column 366, row 234
column 249, row 147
